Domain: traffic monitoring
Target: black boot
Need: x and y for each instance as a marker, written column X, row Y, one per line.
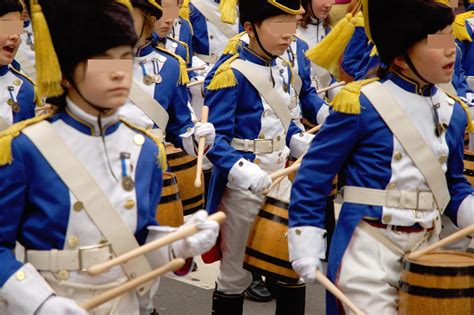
column 227, row 304
column 257, row 291
column 290, row 299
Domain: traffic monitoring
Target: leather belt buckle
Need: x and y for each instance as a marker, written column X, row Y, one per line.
column 94, row 254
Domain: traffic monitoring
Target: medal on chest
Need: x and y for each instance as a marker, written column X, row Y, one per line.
column 127, row 182
column 12, row 101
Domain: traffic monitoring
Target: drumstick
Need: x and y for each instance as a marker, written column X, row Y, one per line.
column 202, row 142
column 336, row 292
column 203, row 67
column 335, row 85
column 168, row 239
column 195, row 83
column 108, row 295
column 290, row 169
column 314, row 129
column 445, row 241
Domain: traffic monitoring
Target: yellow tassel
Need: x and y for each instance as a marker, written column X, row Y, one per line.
column 233, row 44
column 126, row 3
column 459, row 26
column 48, row 71
column 470, row 122
column 228, row 10
column 184, row 9
column 183, row 73
column 161, row 148
column 327, row 53
column 347, row 100
column 7, row 136
column 224, row 76
column 374, row 51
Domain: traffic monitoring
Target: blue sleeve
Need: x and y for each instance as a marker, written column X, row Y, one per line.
column 459, row 80
column 459, row 187
column 354, row 52
column 180, row 116
column 327, row 154
column 200, row 42
column 13, row 196
column 26, row 100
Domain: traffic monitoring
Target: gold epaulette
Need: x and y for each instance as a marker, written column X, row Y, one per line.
column 184, row 9
column 347, row 101
column 189, row 23
column 161, row 148
column 7, row 136
column 183, row 73
column 224, row 76
column 184, row 45
column 470, row 124
column 459, row 26
column 233, row 44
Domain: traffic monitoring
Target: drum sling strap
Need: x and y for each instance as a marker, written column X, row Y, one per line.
column 83, row 186
column 26, row 66
column 215, row 20
column 3, row 124
column 150, row 106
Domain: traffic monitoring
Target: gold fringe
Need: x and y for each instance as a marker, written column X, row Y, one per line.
column 459, row 26
column 233, row 44
column 224, row 76
column 327, row 53
column 161, row 148
column 347, row 100
column 228, row 10
column 184, row 9
column 48, row 71
column 470, row 123
column 183, row 73
column 7, row 136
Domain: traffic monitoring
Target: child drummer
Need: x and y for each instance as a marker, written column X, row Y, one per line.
column 253, row 139
column 42, row 206
column 391, row 205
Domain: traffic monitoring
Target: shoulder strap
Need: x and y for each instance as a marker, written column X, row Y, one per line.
column 150, row 106
column 3, row 124
column 214, row 18
column 411, row 140
column 77, row 178
column 26, row 66
column 265, row 89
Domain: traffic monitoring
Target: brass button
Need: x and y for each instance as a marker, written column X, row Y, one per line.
column 161, row 58
column 78, row 206
column 451, row 101
column 257, row 161
column 398, row 156
column 129, row 204
column 241, row 163
column 261, row 136
column 63, row 274
column 392, row 185
column 284, row 63
column 17, row 82
column 10, row 102
column 174, row 45
column 387, row 218
column 211, row 36
column 278, row 138
column 443, row 159
column 139, row 139
column 20, row 275
column 73, row 241
column 298, row 232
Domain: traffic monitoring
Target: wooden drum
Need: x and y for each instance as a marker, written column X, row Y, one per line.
column 170, row 209
column 267, row 246
column 184, row 166
column 469, row 166
column 439, row 283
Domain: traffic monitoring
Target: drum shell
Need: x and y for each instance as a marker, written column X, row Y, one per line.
column 267, row 246
column 184, row 166
column 439, row 283
column 170, row 209
column 469, row 166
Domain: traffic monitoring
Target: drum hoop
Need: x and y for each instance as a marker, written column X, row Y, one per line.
column 436, row 292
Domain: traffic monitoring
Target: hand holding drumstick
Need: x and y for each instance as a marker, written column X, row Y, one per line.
column 202, row 142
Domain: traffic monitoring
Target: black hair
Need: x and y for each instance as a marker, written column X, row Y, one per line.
column 7, row 6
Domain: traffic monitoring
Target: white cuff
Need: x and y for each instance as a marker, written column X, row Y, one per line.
column 306, row 241
column 242, row 174
column 300, row 143
column 466, row 212
column 323, row 113
column 25, row 291
column 160, row 256
column 188, row 142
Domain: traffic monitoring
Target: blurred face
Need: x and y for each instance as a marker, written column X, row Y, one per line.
column 143, row 26
column 321, row 8
column 9, row 43
column 108, row 89
column 275, row 34
column 163, row 26
column 435, row 64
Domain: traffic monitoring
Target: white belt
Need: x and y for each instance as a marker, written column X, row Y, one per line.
column 258, row 146
column 212, row 59
column 158, row 133
column 72, row 260
column 413, row 200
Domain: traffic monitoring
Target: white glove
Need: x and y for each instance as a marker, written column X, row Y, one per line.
column 200, row 242
column 245, row 175
column 465, row 216
column 306, row 267
column 300, row 143
column 260, row 181
column 205, row 130
column 59, row 305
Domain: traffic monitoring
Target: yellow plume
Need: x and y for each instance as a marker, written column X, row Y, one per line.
column 347, row 100
column 224, row 76
column 459, row 26
column 228, row 10
column 184, row 9
column 233, row 44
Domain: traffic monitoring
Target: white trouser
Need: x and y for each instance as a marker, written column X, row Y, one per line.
column 241, row 208
column 370, row 272
column 449, row 228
